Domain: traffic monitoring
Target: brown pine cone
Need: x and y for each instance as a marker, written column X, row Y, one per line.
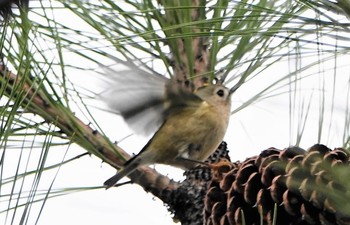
column 294, row 185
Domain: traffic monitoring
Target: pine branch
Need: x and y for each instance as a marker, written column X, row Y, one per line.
column 6, row 7
column 37, row 102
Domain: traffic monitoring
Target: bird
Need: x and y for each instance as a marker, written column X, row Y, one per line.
column 194, row 126
column 192, row 123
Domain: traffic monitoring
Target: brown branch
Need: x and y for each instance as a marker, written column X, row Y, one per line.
column 198, row 50
column 37, row 102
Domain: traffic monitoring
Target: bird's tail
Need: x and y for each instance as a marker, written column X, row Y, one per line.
column 128, row 168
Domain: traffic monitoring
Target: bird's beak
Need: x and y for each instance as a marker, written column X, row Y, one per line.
column 234, row 88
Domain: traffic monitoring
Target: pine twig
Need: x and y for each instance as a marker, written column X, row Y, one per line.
column 37, row 102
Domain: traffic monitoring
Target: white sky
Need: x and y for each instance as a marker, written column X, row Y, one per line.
column 259, row 126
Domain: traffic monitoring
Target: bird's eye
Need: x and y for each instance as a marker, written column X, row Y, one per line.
column 220, row 92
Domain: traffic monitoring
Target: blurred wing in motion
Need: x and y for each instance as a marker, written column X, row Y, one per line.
column 135, row 94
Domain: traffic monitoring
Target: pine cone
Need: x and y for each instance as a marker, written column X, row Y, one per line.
column 296, row 186
column 186, row 203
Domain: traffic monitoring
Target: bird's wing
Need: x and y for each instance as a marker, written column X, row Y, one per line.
column 136, row 94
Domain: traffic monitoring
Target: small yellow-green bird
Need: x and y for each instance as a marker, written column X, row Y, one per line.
column 193, row 124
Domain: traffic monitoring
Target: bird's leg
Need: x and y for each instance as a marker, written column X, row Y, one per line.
column 194, row 162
